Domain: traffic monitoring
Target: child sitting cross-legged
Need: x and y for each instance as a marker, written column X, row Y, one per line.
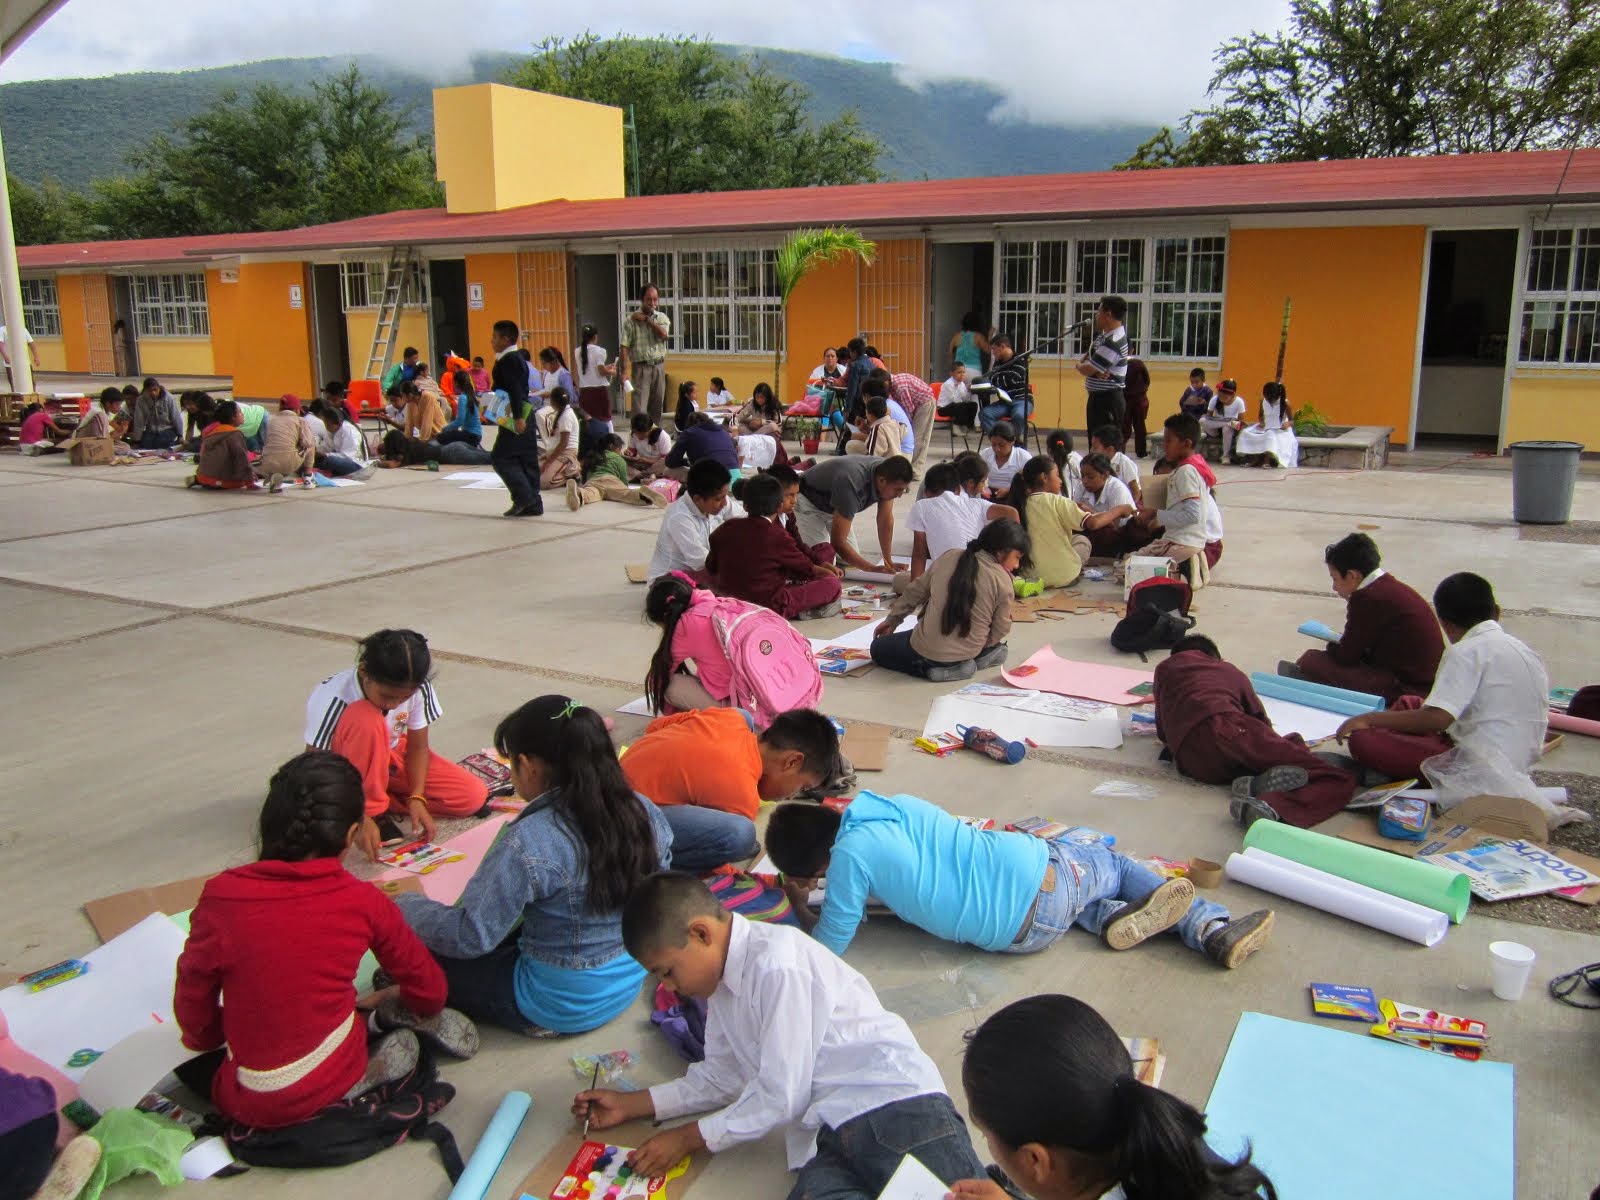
column 964, row 607
column 1052, row 1087
column 1108, row 508
column 753, row 558
column 1179, row 529
column 1054, row 524
column 606, row 478
column 1107, row 441
column 921, row 862
column 534, row 944
column 269, row 966
column 795, row 1041
column 223, row 461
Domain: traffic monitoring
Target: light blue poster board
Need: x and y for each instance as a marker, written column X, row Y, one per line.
column 1334, row 1114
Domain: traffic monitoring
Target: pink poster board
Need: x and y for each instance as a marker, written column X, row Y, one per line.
column 446, row 883
column 1045, row 672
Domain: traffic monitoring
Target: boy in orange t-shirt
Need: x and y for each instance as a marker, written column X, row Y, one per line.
column 708, row 771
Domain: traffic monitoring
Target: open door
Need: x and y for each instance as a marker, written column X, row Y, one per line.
column 447, row 281
column 596, row 300
column 1471, row 280
column 330, row 333
column 963, row 282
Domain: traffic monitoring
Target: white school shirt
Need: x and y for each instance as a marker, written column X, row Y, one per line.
column 645, row 448
column 1230, row 411
column 1000, row 477
column 1114, row 492
column 1214, row 520
column 1185, row 514
column 949, row 520
column 338, row 692
column 757, row 451
column 27, row 338
column 590, row 359
column 796, row 1040
column 1497, row 691
column 1125, row 469
column 318, row 431
column 951, row 392
column 348, row 442
column 551, row 427
column 684, row 539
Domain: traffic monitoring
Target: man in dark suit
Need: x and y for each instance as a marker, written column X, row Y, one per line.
column 515, row 453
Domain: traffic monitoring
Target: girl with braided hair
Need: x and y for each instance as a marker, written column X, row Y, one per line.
column 377, row 714
column 268, row 971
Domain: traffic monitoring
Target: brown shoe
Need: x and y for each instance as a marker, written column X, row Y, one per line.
column 1156, row 913
column 1230, row 944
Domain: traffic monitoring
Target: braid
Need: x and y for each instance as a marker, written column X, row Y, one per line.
column 312, row 802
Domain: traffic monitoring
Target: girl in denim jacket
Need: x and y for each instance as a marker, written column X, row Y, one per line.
column 534, row 944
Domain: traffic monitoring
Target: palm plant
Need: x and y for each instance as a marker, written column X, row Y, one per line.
column 802, row 252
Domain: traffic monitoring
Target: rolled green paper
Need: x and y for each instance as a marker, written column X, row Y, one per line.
column 1422, row 883
column 1280, row 688
column 1373, row 703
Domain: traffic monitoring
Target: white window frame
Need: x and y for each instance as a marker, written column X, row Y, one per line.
column 1060, row 278
column 717, row 299
column 41, row 306
column 1560, row 295
column 361, row 283
column 171, row 304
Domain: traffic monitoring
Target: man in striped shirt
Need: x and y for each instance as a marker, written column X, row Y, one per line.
column 1105, row 367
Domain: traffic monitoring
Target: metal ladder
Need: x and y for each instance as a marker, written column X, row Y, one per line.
column 396, row 275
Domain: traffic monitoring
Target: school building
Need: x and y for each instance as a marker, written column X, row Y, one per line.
column 1451, row 296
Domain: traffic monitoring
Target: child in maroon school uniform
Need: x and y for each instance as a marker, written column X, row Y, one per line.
column 1216, row 731
column 753, row 558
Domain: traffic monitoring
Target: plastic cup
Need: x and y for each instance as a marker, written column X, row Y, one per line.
column 1510, row 963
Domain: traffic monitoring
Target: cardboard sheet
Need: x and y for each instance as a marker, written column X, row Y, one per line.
column 1047, row 672
column 638, row 572
column 1281, row 1080
column 547, row 1174
column 113, row 915
column 1103, row 730
column 867, row 746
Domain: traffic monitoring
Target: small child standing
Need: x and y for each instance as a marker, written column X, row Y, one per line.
column 795, row 1041
column 606, row 478
column 920, row 862
column 1054, row 525
column 1053, row 1088
column 273, row 949
column 376, row 715
column 1107, row 442
column 753, row 558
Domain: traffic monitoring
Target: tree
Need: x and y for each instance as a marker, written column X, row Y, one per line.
column 1384, row 78
column 704, row 121
column 47, row 213
column 802, row 252
column 370, row 163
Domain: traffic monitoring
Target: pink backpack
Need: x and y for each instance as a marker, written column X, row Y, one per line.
column 773, row 667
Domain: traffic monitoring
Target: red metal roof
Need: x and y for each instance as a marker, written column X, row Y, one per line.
column 149, row 251
column 1350, row 185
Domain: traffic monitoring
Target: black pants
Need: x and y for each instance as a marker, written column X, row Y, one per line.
column 521, row 477
column 1106, row 408
column 25, row 1157
column 964, row 414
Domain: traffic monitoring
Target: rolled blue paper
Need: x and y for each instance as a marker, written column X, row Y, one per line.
column 1280, row 688
column 491, row 1149
column 1317, row 629
column 1373, row 703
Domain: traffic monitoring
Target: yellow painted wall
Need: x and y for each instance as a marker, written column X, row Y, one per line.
column 484, row 135
column 498, row 275
column 415, row 328
column 822, row 312
column 1060, row 399
column 160, row 356
column 1356, row 295
column 1554, row 405
column 223, row 301
column 74, row 321
column 52, row 353
column 268, row 342
column 741, row 373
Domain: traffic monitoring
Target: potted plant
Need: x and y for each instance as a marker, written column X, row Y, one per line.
column 810, row 431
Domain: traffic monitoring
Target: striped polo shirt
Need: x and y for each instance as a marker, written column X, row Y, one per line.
column 1110, row 353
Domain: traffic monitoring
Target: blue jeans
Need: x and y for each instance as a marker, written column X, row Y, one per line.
column 855, row 1161
column 893, row 650
column 158, row 439
column 703, row 839
column 1093, row 884
column 337, row 465
column 486, row 988
column 1017, row 412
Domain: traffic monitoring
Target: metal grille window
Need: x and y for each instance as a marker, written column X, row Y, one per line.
column 1561, row 299
column 171, row 305
column 363, row 284
column 1173, row 285
column 41, row 312
column 719, row 300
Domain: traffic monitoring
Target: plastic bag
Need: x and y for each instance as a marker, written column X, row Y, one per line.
column 1124, row 789
column 136, row 1143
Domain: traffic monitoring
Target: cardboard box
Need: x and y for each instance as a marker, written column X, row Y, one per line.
column 92, row 452
column 547, row 1174
column 1144, row 566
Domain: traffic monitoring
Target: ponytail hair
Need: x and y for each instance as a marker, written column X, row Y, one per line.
column 997, row 537
column 1050, row 1071
column 588, row 792
column 1026, row 482
column 312, row 802
column 667, row 600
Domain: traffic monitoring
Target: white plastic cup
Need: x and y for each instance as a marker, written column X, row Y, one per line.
column 1511, row 963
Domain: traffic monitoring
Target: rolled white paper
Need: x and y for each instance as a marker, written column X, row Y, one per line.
column 1341, row 897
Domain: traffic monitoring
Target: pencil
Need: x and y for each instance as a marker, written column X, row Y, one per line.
column 592, row 1084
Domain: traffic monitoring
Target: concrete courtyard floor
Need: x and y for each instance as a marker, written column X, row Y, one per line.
column 159, row 644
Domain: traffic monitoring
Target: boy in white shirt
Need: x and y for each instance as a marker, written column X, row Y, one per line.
column 795, row 1040
column 1224, row 411
column 1107, row 440
column 684, row 539
column 1183, row 521
column 955, row 399
column 946, row 518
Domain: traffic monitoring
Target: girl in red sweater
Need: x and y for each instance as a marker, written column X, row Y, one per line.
column 273, row 950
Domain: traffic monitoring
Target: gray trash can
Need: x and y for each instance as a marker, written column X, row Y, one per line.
column 1543, row 476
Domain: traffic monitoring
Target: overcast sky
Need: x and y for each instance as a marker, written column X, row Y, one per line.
column 1056, row 60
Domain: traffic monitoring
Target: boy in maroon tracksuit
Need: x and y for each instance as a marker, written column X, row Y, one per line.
column 754, row 558
column 1391, row 643
column 1216, row 730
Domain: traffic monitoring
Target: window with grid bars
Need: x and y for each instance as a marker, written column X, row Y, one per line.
column 171, row 305
column 1173, row 285
column 719, row 301
column 363, row 282
column 41, row 311
column 1561, row 299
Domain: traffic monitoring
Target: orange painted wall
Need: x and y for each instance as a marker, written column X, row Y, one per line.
column 74, row 320
column 822, row 312
column 498, row 275
column 222, row 299
column 1354, row 324
column 271, row 350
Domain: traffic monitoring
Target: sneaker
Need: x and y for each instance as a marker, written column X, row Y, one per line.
column 71, row 1170
column 1156, row 913
column 1230, row 943
column 652, row 497
column 994, row 656
column 1279, row 779
column 275, row 484
column 574, row 496
column 953, row 672
column 393, row 1056
column 1289, row 670
column 365, row 472
column 831, row 609
column 449, row 1030
column 1245, row 809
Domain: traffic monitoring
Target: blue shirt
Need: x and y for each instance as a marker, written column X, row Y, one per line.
column 568, row 1000
column 959, row 883
column 468, row 419
column 909, row 442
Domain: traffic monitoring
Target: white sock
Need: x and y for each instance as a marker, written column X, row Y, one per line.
column 1213, row 925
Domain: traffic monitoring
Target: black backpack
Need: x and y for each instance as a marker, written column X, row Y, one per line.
column 1157, row 617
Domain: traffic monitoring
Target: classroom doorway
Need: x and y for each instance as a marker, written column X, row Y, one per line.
column 963, row 282
column 330, row 332
column 121, row 294
column 1466, row 323
column 447, row 283
column 596, row 298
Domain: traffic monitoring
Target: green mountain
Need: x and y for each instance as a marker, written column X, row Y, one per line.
column 77, row 130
